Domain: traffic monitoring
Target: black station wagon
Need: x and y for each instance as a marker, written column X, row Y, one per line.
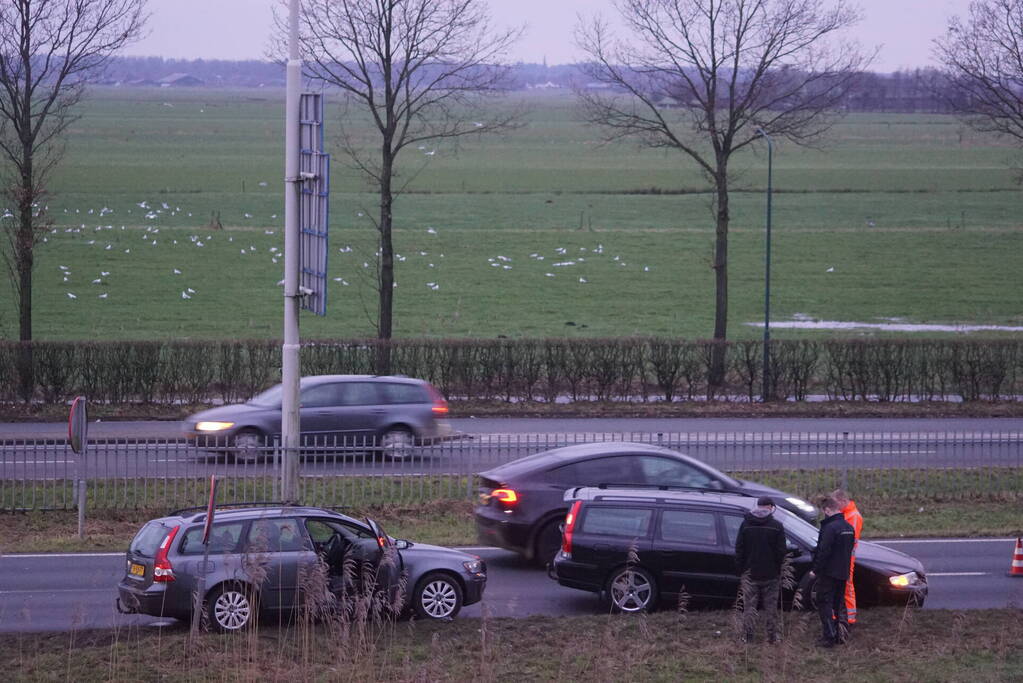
column 636, row 547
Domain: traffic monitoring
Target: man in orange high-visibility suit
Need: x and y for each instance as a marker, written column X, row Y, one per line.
column 855, row 519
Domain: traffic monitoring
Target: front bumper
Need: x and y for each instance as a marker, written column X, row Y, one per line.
column 474, row 587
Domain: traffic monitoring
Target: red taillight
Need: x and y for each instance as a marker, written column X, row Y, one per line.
column 440, row 405
column 506, row 496
column 566, row 538
column 162, row 570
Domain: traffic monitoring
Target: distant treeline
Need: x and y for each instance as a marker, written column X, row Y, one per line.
column 918, row 90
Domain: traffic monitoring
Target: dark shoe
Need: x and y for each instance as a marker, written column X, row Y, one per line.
column 825, row 642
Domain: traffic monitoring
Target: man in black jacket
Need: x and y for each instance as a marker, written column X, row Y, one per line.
column 759, row 554
column 831, row 568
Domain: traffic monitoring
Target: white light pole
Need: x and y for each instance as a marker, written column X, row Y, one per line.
column 290, row 424
column 766, row 390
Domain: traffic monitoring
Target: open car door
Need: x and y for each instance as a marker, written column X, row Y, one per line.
column 389, row 567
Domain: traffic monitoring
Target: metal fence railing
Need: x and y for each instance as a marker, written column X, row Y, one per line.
column 156, row 474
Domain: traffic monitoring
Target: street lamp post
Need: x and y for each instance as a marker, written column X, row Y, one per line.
column 766, row 391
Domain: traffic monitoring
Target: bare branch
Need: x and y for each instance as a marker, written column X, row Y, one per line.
column 48, row 50
column 709, row 77
column 422, row 70
column 982, row 55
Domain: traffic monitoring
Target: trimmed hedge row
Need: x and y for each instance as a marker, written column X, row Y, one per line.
column 624, row 369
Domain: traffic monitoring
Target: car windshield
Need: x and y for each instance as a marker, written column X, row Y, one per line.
column 270, row 398
column 796, row 526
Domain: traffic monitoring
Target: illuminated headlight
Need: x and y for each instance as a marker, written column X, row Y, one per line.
column 801, row 504
column 903, row 580
column 213, row 426
column 474, row 566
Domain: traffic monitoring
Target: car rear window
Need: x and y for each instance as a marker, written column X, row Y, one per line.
column 149, row 538
column 617, row 521
column 223, row 539
column 687, row 526
column 404, row 393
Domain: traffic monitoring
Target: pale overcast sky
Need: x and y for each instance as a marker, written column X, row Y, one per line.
column 238, row 29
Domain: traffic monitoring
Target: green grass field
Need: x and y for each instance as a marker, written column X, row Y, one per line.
column 917, row 216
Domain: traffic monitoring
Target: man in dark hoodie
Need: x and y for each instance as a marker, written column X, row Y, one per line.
column 759, row 554
column 831, row 568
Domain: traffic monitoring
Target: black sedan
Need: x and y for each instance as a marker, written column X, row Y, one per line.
column 521, row 502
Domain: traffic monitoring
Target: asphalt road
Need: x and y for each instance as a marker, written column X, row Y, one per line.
column 151, row 450
column 68, row 592
column 171, row 430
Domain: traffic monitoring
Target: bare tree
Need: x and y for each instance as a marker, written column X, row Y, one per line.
column 422, row 70
column 708, row 77
column 48, row 50
column 983, row 57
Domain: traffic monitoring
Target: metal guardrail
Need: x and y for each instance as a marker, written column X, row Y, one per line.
column 157, row 474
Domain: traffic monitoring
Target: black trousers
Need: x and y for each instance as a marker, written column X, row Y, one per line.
column 831, row 608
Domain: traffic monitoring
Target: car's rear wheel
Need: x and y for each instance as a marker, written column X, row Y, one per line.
column 548, row 542
column 805, row 597
column 397, row 443
column 230, row 609
column 632, row 589
column 248, row 446
column 437, row 596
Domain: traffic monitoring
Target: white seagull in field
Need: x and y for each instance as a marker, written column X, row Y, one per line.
column 71, row 296
column 184, row 295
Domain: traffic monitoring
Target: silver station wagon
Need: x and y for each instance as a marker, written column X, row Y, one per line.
column 386, row 413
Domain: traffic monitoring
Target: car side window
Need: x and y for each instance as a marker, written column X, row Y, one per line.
column 403, row 393
column 614, row 470
column 275, row 535
column 223, row 539
column 687, row 526
column 732, row 524
column 358, row 394
column 670, row 472
column 320, row 396
column 617, row 521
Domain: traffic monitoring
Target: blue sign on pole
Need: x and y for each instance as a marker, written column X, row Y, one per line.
column 313, row 205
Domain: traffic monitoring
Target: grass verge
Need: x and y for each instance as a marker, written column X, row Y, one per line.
column 450, row 523
column 899, row 644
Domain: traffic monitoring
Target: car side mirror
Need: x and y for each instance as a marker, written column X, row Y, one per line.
column 715, row 485
column 402, row 544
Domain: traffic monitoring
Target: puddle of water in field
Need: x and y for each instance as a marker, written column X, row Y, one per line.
column 886, row 326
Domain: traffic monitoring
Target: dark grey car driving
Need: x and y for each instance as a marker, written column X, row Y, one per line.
column 389, row 413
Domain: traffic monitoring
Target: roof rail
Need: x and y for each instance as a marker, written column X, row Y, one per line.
column 661, row 487
column 257, row 503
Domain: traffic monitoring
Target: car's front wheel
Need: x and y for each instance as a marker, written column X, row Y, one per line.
column 248, row 446
column 230, row 609
column 437, row 596
column 397, row 443
column 632, row 589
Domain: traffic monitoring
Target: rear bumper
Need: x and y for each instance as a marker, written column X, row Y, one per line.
column 154, row 601
column 575, row 574
column 502, row 533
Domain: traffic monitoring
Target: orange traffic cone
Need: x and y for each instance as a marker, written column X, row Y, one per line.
column 1017, row 560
